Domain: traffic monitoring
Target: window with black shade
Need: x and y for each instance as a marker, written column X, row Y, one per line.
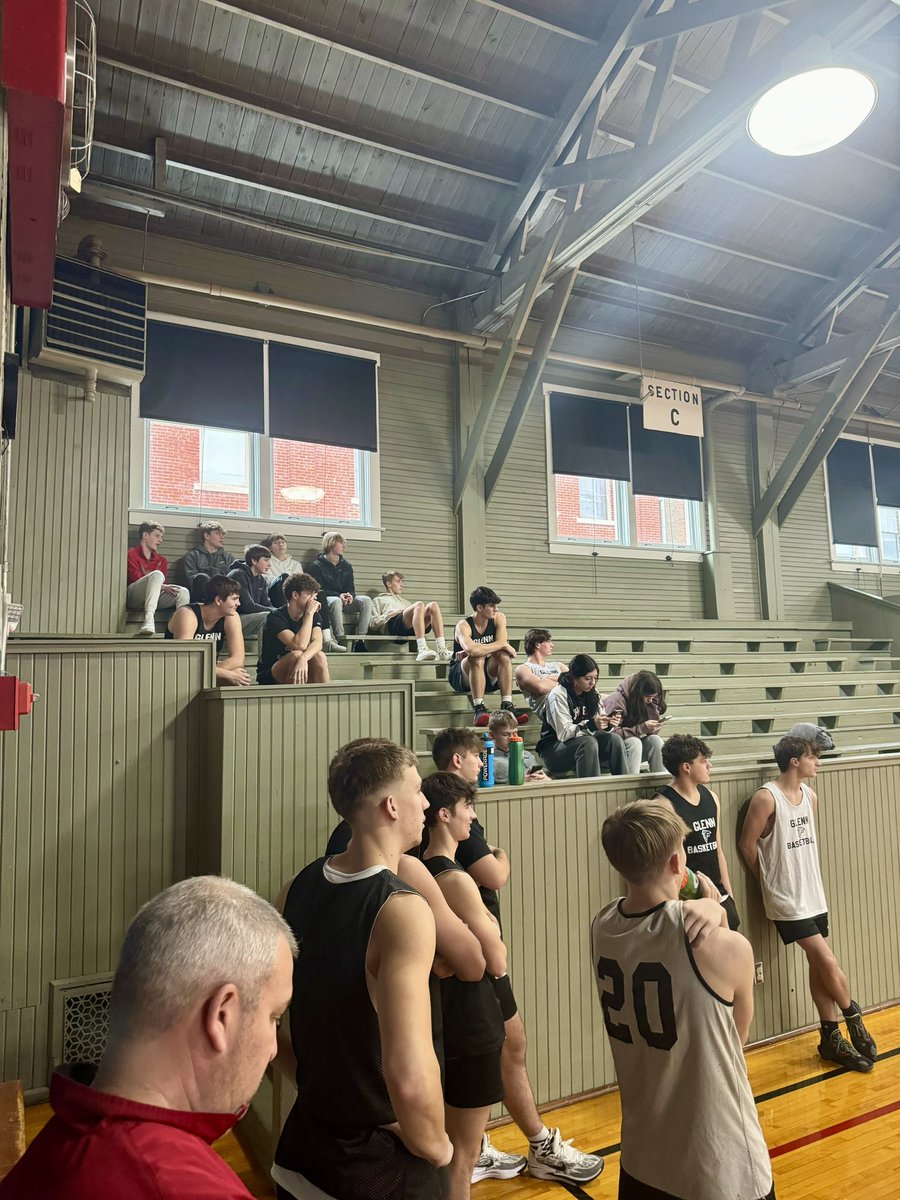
column 256, row 428
column 617, row 484
column 864, row 502
column 200, row 376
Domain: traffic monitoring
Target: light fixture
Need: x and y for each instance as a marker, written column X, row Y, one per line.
column 303, row 494
column 809, row 113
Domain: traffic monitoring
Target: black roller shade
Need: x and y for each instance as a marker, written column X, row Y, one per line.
column 588, row 436
column 315, row 396
column 201, row 377
column 664, row 464
column 850, row 495
column 886, row 461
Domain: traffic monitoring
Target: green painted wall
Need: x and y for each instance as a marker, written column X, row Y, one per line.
column 98, row 812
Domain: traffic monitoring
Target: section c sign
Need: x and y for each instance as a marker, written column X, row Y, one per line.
column 672, row 407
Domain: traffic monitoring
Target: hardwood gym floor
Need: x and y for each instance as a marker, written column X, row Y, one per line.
column 832, row 1133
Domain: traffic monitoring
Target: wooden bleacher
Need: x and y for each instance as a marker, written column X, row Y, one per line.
column 738, row 686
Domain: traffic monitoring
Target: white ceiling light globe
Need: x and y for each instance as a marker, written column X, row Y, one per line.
column 809, row 113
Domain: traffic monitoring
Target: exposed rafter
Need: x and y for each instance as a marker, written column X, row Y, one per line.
column 555, row 140
column 808, row 365
column 284, row 112
column 696, row 16
column 542, row 22
column 878, row 251
column 104, row 190
column 268, row 183
column 683, row 291
column 691, row 143
column 368, row 52
column 538, row 265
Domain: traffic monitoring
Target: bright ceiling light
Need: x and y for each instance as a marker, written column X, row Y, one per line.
column 813, row 111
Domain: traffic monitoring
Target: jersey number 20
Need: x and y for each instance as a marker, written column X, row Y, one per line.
column 613, row 999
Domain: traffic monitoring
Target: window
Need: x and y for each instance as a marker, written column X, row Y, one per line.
column 224, row 460
column 889, row 522
column 237, row 468
column 596, row 511
column 863, row 482
column 595, row 502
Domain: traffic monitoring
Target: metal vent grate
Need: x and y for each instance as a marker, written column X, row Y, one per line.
column 79, row 1019
column 97, row 319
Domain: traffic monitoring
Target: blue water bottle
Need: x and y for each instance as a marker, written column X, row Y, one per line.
column 486, row 774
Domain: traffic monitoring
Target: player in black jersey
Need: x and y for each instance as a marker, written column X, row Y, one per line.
column 482, row 656
column 215, row 620
column 473, row 1022
column 549, row 1155
column 368, row 1121
column 686, row 758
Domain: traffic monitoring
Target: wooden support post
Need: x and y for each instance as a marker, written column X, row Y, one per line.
column 470, row 519
column 768, row 549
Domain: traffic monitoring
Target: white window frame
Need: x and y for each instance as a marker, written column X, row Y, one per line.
column 559, row 544
column 877, row 565
column 261, row 474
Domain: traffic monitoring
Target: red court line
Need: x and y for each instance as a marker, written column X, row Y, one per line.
column 830, row 1130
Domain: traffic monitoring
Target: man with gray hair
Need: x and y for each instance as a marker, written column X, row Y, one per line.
column 203, row 978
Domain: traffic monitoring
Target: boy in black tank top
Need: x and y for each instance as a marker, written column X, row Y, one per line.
column 368, row 1122
column 686, row 758
column 483, row 657
column 473, row 1023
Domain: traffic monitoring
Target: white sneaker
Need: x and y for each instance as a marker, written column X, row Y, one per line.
column 556, row 1159
column 445, row 656
column 495, row 1164
column 334, row 647
column 148, row 629
column 426, row 655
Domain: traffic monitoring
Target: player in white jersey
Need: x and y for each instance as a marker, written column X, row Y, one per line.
column 778, row 843
column 677, row 1002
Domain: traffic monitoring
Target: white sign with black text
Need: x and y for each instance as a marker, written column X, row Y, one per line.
column 672, row 407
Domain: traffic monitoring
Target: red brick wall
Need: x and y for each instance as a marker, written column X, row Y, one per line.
column 331, row 468
column 175, row 476
column 648, row 511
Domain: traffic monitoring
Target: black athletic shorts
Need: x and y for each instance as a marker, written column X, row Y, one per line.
column 396, row 628
column 633, row 1189
column 731, row 912
column 473, row 1082
column 508, row 1006
column 793, row 931
column 456, row 677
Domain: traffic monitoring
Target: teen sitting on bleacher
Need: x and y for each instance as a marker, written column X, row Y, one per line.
column 537, row 676
column 501, row 727
column 482, row 656
column 208, row 559
column 215, row 620
column 251, row 577
column 281, row 566
column 146, row 575
column 292, row 639
column 576, row 733
column 392, row 614
column 640, row 702
column 335, row 576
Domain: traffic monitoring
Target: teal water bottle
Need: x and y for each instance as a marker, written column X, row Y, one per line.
column 486, row 774
column 516, row 759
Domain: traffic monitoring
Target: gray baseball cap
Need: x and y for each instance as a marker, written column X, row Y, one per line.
column 819, row 736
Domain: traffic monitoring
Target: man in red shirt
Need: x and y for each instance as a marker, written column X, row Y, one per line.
column 204, row 976
column 147, row 572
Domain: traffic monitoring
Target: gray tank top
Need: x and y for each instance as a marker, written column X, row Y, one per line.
column 789, row 869
column 689, row 1123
